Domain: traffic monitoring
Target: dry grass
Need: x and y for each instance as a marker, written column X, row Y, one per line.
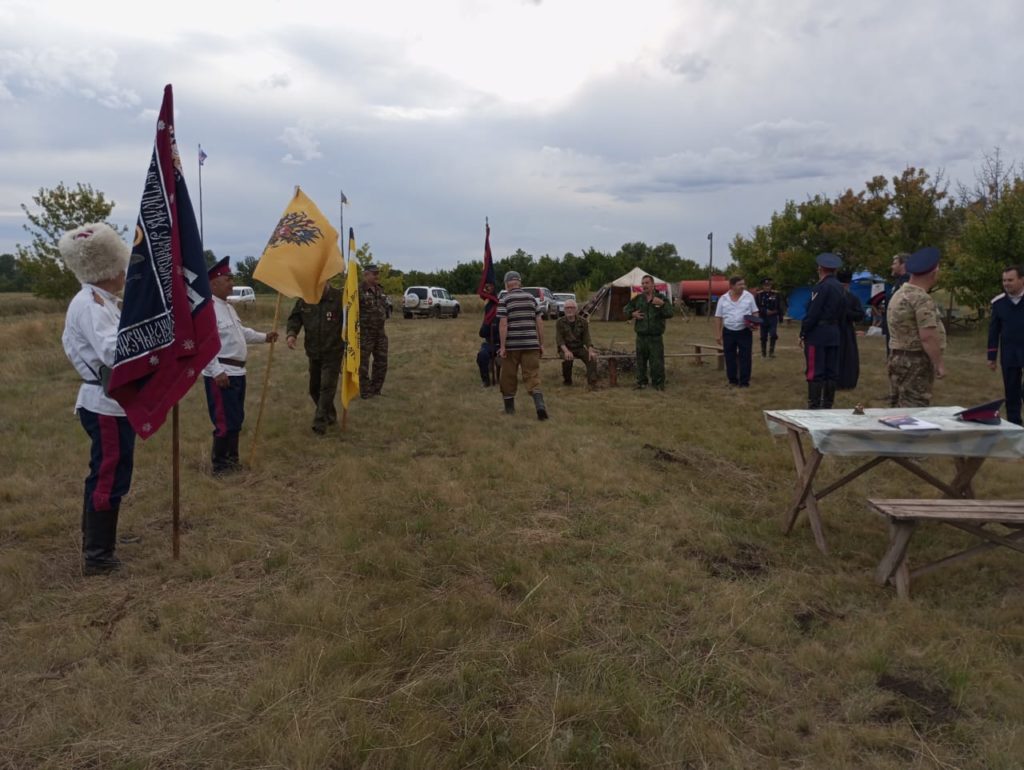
column 446, row 587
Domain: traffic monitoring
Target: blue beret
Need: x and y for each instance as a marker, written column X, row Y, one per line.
column 923, row 261
column 829, row 261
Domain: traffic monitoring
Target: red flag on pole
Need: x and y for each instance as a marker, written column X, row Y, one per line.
column 168, row 330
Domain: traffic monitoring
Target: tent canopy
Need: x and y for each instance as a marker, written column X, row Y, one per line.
column 607, row 304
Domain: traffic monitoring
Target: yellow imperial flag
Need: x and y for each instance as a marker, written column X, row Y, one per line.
column 302, row 253
column 350, row 366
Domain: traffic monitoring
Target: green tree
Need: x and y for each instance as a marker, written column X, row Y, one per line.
column 244, row 270
column 12, row 277
column 59, row 210
column 390, row 282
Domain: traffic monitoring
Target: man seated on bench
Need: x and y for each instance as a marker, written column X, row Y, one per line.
column 572, row 338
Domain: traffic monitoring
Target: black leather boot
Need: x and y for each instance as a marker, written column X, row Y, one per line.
column 771, row 348
column 764, row 348
column 567, row 372
column 510, row 404
column 99, row 539
column 219, row 455
column 234, row 463
column 538, row 401
column 814, row 395
column 828, row 395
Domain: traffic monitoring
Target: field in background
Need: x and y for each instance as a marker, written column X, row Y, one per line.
column 446, row 587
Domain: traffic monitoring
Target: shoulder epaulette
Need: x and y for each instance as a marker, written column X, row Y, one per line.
column 997, row 298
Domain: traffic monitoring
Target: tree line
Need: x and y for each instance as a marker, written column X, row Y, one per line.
column 979, row 229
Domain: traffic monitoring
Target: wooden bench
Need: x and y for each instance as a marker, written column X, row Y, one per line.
column 972, row 516
column 698, row 352
column 701, row 351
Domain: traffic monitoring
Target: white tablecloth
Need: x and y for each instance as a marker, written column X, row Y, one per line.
column 841, row 432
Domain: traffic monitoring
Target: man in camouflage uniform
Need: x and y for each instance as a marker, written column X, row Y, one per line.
column 322, row 323
column 648, row 310
column 373, row 341
column 916, row 334
column 572, row 338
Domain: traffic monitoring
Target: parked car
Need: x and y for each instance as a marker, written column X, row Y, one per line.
column 546, row 302
column 429, row 301
column 242, row 295
column 562, row 298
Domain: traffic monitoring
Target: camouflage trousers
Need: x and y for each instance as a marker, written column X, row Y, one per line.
column 372, row 344
column 911, row 376
column 323, row 387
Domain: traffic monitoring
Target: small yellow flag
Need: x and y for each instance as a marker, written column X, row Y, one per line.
column 350, row 300
column 302, row 253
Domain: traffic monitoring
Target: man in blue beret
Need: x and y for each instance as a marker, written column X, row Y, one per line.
column 1006, row 338
column 916, row 334
column 819, row 334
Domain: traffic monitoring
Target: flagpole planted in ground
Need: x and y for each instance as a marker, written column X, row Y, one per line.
column 266, row 381
column 175, row 486
column 202, row 157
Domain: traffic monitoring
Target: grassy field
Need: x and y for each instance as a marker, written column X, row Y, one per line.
column 446, row 587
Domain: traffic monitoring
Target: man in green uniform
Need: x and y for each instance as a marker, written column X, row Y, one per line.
column 916, row 334
column 373, row 342
column 648, row 310
column 572, row 338
column 322, row 323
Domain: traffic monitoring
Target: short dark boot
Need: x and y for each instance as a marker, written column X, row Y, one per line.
column 828, row 395
column 99, row 539
column 538, row 401
column 764, row 348
column 510, row 404
column 814, row 390
column 234, row 463
column 771, row 347
column 567, row 372
column 219, row 456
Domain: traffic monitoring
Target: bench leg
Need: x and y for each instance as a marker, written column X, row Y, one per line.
column 894, row 563
column 613, row 372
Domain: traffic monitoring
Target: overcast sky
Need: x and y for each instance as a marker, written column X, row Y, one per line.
column 569, row 123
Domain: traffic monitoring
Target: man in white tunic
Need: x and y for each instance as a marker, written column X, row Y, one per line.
column 224, row 377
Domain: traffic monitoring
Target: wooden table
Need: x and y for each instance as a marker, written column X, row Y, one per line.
column 972, row 516
column 840, row 432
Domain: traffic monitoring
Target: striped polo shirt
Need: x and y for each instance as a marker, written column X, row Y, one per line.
column 521, row 311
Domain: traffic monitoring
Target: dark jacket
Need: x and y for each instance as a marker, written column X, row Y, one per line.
column 1006, row 332
column 322, row 322
column 821, row 324
column 653, row 322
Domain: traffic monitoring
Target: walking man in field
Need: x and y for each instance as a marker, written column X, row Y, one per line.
column 521, row 339
column 322, row 324
column 572, row 337
column 734, row 314
column 98, row 257
column 648, row 311
column 1006, row 338
column 769, row 308
column 373, row 340
column 224, row 376
column 916, row 334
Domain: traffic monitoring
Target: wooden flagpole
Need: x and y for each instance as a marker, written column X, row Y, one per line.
column 175, row 487
column 266, row 381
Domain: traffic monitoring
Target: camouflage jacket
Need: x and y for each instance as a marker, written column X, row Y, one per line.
column 573, row 334
column 322, row 323
column 372, row 308
column 910, row 310
column 653, row 322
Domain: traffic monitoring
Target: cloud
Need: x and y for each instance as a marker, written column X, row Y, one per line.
column 302, row 145
column 85, row 72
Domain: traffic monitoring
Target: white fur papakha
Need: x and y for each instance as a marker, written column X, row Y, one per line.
column 94, row 252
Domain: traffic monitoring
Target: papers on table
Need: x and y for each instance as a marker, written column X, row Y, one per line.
column 908, row 422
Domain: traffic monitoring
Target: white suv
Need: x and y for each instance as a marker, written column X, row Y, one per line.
column 242, row 295
column 429, row 301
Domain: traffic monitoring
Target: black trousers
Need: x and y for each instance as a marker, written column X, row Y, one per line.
column 1012, row 376
column 737, row 346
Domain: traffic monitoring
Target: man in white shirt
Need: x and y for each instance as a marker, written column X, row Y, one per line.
column 224, row 377
column 98, row 257
column 735, row 313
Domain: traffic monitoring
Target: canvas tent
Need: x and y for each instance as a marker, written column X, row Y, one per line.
column 607, row 304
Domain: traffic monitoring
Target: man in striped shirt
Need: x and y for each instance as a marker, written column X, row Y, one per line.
column 521, row 336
